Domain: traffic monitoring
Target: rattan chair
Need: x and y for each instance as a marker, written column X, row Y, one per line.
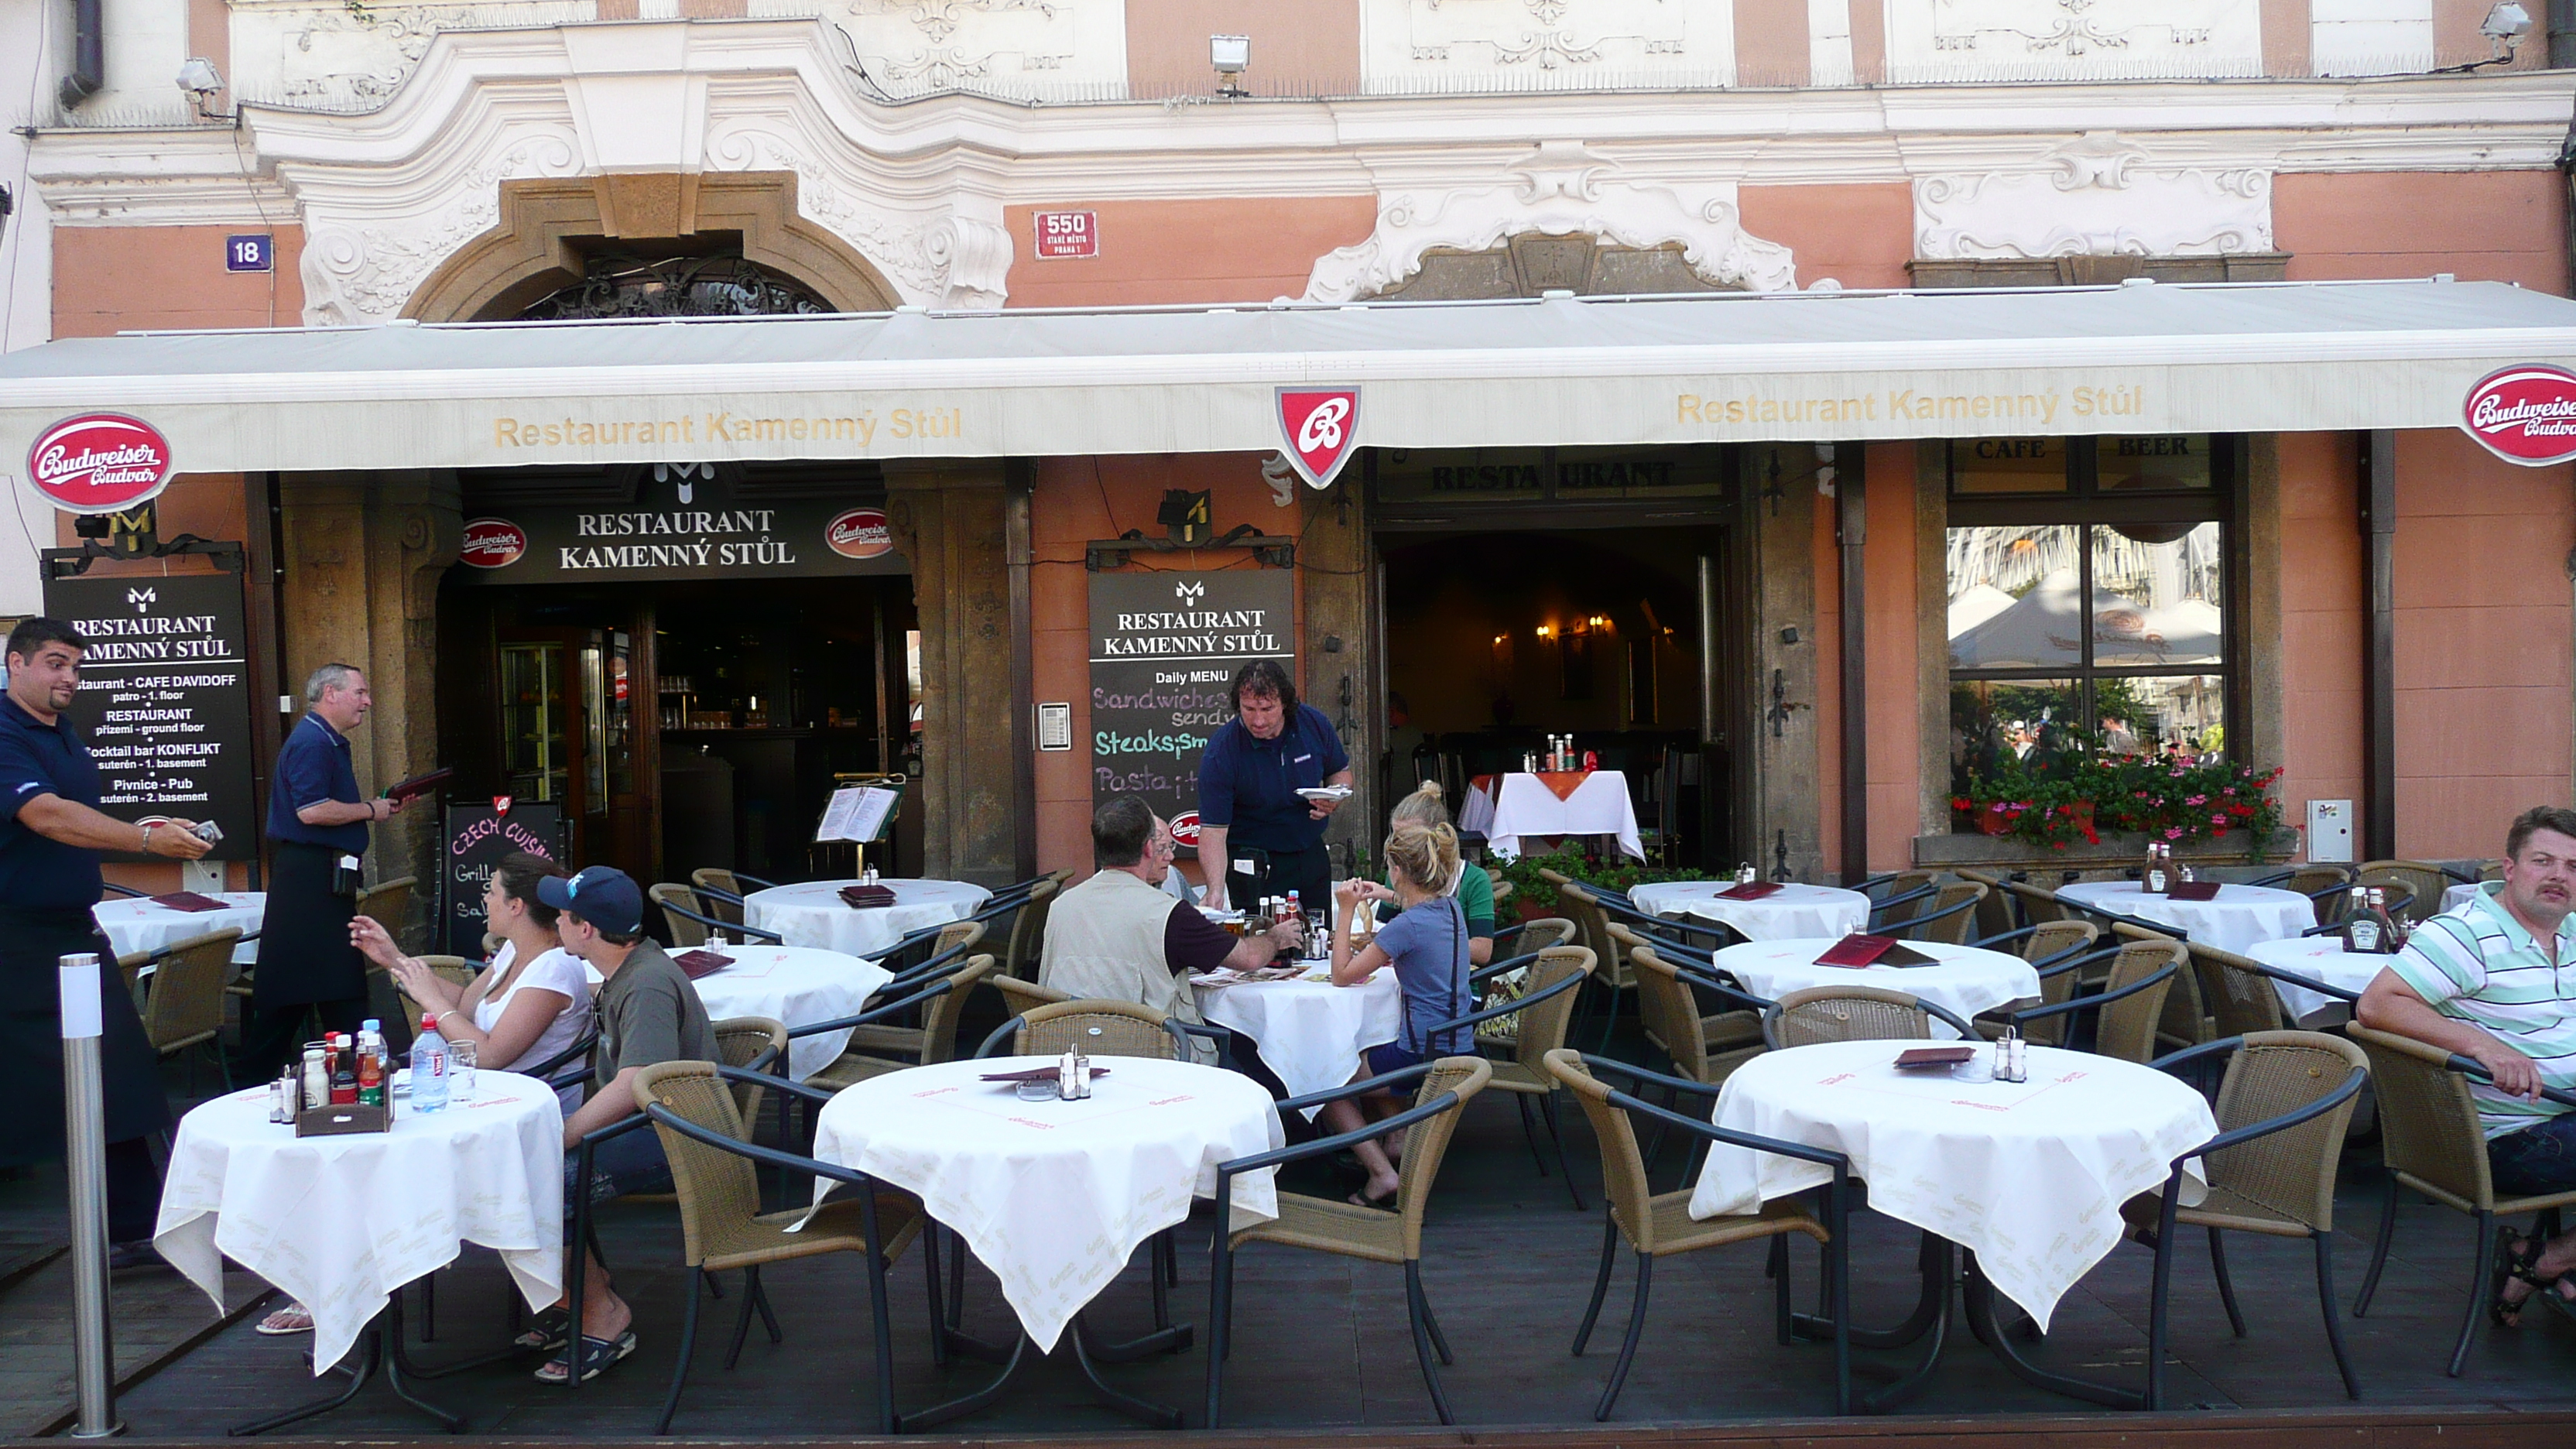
column 1592, row 933
column 2069, row 963
column 950, row 948
column 1659, row 1225
column 723, row 1228
column 755, row 1044
column 2187, row 1020
column 1021, row 949
column 1697, row 1041
column 2126, row 1008
column 2239, row 993
column 183, row 1006
column 2423, row 881
column 1502, row 893
column 1854, row 1013
column 1532, row 936
column 935, row 1040
column 1544, row 1011
column 2039, row 906
column 1019, row 996
column 2282, row 1111
column 1330, row 1225
column 1994, row 914
column 1096, row 1028
column 2430, row 1137
column 1948, row 916
column 389, row 902
column 941, row 947
column 682, row 914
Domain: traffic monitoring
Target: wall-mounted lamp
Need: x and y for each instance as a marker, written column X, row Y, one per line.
column 1231, row 55
column 200, row 80
column 2505, row 26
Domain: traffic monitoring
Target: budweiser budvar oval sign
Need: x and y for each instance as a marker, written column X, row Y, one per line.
column 859, row 533
column 493, row 543
column 99, row 463
column 2525, row 414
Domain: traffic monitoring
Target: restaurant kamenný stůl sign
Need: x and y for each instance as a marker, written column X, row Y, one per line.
column 1164, row 647
column 679, row 528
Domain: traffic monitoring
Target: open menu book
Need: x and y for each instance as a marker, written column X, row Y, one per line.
column 858, row 813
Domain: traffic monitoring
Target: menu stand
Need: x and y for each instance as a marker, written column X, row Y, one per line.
column 382, row 1349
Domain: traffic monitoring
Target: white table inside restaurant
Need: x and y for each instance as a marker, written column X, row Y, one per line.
column 341, row 1223
column 795, row 985
column 1794, row 910
column 1054, row 1196
column 1527, row 806
column 813, row 914
column 1965, row 980
column 2325, row 959
column 2235, row 919
column 140, row 923
column 1309, row 1031
column 2027, row 1175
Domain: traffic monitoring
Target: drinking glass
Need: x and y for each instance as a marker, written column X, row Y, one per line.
column 460, row 1073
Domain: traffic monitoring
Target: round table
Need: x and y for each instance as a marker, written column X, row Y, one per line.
column 1054, row 1196
column 1793, row 911
column 1967, row 980
column 2324, row 958
column 2236, row 918
column 813, row 914
column 795, row 985
column 140, row 923
column 341, row 1223
column 2028, row 1175
column 1309, row 1031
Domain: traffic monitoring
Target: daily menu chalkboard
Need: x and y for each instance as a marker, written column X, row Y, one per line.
column 1164, row 646
column 164, row 698
column 476, row 838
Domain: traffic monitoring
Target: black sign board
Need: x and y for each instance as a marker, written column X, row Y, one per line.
column 475, row 839
column 1164, row 646
column 676, row 528
column 164, row 699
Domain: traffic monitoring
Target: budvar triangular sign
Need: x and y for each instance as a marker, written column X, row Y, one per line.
column 1318, row 430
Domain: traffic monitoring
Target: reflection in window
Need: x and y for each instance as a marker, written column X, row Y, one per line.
column 2156, row 594
column 2031, row 721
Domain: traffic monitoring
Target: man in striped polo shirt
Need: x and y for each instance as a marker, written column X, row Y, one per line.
column 2495, row 981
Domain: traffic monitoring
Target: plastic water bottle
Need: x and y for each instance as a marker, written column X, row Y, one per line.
column 429, row 1068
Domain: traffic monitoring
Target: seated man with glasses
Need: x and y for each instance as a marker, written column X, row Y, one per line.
column 2494, row 980
column 1119, row 937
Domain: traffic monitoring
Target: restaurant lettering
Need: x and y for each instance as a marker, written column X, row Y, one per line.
column 1916, row 405
column 1164, row 648
column 899, row 425
column 706, row 534
column 164, row 697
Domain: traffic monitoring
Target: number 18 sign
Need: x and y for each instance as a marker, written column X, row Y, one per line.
column 254, row 253
column 1068, row 234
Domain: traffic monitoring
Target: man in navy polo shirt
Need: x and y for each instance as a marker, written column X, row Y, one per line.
column 1257, row 836
column 51, row 833
column 317, row 828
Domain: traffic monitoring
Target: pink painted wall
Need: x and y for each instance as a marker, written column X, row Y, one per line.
column 2508, row 226
column 2324, row 624
column 1225, row 250
column 110, row 278
column 1770, row 42
column 1860, row 234
column 1895, row 740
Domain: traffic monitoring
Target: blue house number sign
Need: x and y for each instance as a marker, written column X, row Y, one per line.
column 249, row 253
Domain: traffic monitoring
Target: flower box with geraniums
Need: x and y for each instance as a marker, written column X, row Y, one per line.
column 2168, row 798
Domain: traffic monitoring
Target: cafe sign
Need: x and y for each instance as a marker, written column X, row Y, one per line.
column 716, row 533
column 2524, row 415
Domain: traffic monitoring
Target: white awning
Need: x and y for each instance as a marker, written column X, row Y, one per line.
column 2142, row 358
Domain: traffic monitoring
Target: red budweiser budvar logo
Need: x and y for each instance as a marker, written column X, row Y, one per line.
column 2525, row 414
column 859, row 533
column 1318, row 427
column 493, row 543
column 99, row 463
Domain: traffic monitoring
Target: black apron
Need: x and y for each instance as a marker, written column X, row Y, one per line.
column 304, row 950
column 32, row 943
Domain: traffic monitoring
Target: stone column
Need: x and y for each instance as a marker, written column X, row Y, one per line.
column 950, row 518
column 1785, row 791
column 1340, row 650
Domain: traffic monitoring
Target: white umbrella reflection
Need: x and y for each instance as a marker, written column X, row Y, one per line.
column 2044, row 628
column 1975, row 605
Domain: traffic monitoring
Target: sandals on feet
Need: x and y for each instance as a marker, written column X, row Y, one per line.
column 1384, row 1204
column 2515, row 1255
column 294, row 1318
column 597, row 1354
column 547, row 1332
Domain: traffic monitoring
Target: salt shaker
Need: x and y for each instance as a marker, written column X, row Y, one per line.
column 1065, row 1077
column 1081, row 1077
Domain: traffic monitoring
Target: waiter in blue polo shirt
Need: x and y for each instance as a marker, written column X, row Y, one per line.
column 51, row 833
column 317, row 832
column 1257, row 836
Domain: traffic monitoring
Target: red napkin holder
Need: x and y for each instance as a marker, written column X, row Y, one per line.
column 2192, row 890
column 700, row 963
column 1753, row 890
column 189, row 901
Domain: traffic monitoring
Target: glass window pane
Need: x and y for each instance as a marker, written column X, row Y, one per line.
column 2144, row 715
column 2172, row 460
column 2013, row 597
column 2156, row 594
column 2008, row 465
column 2032, row 721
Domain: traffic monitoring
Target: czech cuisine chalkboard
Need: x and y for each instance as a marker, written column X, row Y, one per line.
column 476, row 838
column 1164, row 646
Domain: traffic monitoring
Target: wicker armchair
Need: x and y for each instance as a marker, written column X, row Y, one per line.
column 949, row 948
column 1019, row 996
column 1854, row 1013
column 755, row 1044
column 2282, row 1110
column 935, row 1040
column 1096, row 1028
column 1028, row 932
column 2132, row 1005
column 1994, row 914
column 723, row 1228
column 2430, row 1137
column 1592, row 933
column 2187, row 1020
column 682, row 913
column 2060, row 972
column 1948, row 916
column 722, row 891
column 2423, row 881
column 184, row 1004
column 1330, row 1225
column 1544, row 1011
column 1659, row 1225
column 390, row 903
column 2039, row 906
column 1673, row 1020
column 2241, row 997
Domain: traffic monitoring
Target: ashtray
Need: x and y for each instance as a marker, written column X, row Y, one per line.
column 1038, row 1091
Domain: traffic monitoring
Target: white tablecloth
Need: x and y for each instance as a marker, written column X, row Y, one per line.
column 1792, row 911
column 1969, row 979
column 2324, row 958
column 813, row 914
column 340, row 1223
column 1525, row 806
column 2029, row 1175
column 1310, row 1033
column 2238, row 917
column 138, row 923
column 795, row 985
column 1054, row 1196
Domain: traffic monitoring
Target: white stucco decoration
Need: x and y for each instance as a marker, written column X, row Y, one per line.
column 1434, row 46
column 1059, row 50
column 2098, row 195
column 1558, row 188
column 334, row 55
column 1964, row 40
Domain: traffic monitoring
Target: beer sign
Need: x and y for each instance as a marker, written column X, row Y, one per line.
column 2524, row 415
column 99, row 463
column 1317, row 427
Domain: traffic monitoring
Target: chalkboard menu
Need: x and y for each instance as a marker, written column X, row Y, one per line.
column 164, row 699
column 1164, row 647
column 475, row 839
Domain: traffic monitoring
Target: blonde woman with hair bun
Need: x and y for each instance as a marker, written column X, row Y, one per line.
column 1471, row 885
column 1426, row 943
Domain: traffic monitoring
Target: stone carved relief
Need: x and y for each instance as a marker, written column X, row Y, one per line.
column 1050, row 49
column 1938, row 40
column 934, row 259
column 2098, row 195
column 1559, row 189
column 1409, row 46
column 360, row 271
column 341, row 55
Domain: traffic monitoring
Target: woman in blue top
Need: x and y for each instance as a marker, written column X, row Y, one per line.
column 1427, row 944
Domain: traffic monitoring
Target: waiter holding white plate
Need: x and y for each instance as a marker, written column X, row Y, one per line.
column 1258, row 836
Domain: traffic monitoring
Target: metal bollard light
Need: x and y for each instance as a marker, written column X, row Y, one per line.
column 85, row 1154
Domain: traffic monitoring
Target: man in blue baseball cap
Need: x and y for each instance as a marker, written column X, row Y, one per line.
column 647, row 1013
